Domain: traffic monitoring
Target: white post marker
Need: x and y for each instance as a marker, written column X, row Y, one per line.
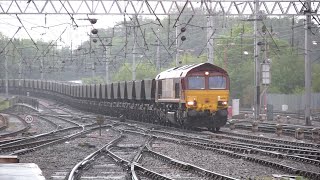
column 235, row 107
column 28, row 119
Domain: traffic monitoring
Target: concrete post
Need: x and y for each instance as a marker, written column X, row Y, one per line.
column 255, row 127
column 279, row 129
column 299, row 134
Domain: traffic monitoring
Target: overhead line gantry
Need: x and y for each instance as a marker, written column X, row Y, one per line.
column 160, row 7
column 210, row 8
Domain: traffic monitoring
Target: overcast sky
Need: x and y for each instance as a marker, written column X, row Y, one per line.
column 50, row 27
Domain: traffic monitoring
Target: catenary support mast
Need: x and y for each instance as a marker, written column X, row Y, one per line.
column 307, row 63
column 257, row 64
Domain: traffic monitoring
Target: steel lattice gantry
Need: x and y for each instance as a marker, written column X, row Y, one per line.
column 150, row 7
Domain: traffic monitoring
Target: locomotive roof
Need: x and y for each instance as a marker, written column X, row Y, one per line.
column 182, row 71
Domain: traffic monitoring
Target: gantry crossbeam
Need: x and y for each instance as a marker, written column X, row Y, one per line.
column 149, row 7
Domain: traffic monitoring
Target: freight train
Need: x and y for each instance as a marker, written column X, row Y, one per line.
column 187, row 96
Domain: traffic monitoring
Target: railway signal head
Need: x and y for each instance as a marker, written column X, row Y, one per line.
column 93, row 21
column 94, row 31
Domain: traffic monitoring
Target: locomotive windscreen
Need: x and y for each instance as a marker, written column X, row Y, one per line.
column 196, row 82
column 217, row 82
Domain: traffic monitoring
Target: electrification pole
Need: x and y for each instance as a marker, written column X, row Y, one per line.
column 210, row 49
column 6, row 72
column 307, row 30
column 92, row 59
column 107, row 64
column 41, row 68
column 177, row 46
column 158, row 57
column 20, row 74
column 257, row 63
column 134, row 52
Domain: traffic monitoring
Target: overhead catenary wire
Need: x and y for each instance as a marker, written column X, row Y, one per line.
column 207, row 42
column 185, row 5
column 271, row 36
column 49, row 47
column 35, row 44
column 149, row 7
column 72, row 18
column 144, row 39
column 161, row 42
column 3, row 49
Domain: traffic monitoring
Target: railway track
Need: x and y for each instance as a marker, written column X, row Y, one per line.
column 288, row 130
column 3, row 122
column 11, row 127
column 253, row 152
column 153, row 157
column 39, row 132
column 32, row 142
column 134, row 162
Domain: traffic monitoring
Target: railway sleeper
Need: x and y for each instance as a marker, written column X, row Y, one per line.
column 260, row 161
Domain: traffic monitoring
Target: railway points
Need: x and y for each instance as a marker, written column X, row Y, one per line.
column 188, row 60
column 169, row 142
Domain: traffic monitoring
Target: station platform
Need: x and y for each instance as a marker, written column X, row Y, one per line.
column 20, row 171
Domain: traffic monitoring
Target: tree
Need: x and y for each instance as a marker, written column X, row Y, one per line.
column 316, row 77
column 143, row 71
column 93, row 80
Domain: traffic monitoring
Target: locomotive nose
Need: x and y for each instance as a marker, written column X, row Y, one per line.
column 206, row 100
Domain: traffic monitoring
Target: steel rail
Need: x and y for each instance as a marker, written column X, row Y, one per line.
column 308, row 174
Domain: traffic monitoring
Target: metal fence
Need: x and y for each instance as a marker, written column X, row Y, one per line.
column 295, row 102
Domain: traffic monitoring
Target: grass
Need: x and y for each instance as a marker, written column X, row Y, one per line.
column 4, row 104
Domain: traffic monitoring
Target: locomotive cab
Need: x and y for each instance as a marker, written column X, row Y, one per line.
column 194, row 95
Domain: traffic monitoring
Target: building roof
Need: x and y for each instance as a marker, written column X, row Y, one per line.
column 182, row 71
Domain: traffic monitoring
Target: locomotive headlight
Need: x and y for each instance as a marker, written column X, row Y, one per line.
column 222, row 103
column 206, row 73
column 190, row 103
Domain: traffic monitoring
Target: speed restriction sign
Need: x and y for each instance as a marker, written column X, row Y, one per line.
column 28, row 119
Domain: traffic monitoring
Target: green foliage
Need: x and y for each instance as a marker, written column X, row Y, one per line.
column 4, row 105
column 287, row 73
column 143, row 71
column 93, row 80
column 287, row 67
column 316, row 77
column 232, row 37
